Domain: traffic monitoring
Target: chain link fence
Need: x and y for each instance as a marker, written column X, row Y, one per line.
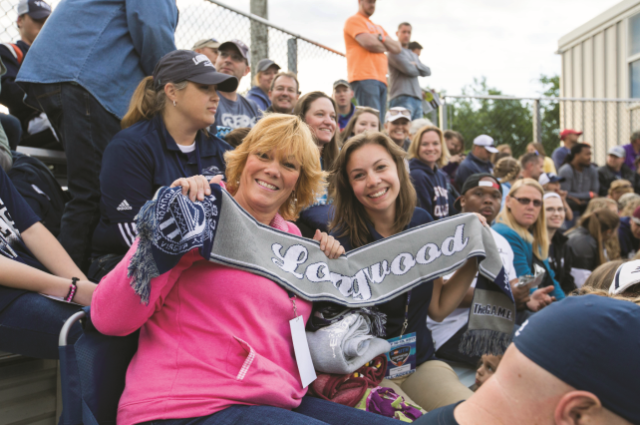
column 317, row 66
column 518, row 121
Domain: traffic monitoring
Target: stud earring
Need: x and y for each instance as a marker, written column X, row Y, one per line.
column 174, row 103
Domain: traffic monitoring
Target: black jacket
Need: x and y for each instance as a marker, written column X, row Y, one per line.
column 584, row 248
column 606, row 176
column 561, row 261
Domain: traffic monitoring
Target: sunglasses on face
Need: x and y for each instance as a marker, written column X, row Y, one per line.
column 526, row 201
column 405, row 112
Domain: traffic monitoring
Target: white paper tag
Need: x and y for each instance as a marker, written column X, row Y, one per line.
column 301, row 348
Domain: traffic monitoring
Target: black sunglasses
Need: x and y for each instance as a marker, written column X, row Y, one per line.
column 526, row 201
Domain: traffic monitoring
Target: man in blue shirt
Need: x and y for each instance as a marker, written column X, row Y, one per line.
column 478, row 160
column 82, row 71
column 259, row 93
column 235, row 110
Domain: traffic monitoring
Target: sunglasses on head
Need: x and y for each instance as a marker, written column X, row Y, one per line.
column 367, row 107
column 405, row 112
column 526, row 201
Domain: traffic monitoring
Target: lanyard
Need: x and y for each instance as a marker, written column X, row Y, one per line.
column 292, row 297
column 406, row 314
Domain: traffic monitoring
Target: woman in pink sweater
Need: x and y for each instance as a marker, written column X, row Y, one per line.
column 215, row 344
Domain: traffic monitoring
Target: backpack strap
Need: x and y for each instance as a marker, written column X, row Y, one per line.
column 15, row 51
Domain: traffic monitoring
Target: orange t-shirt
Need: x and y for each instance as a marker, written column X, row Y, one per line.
column 361, row 63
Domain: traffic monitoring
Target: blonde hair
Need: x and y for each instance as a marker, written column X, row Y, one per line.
column 597, row 223
column 628, row 204
column 507, row 169
column 350, row 217
column 537, row 236
column 414, row 147
column 585, row 290
column 146, row 101
column 620, row 187
column 287, row 135
column 603, row 275
column 612, row 244
column 351, row 125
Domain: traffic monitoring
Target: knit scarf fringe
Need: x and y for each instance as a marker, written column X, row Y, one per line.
column 142, row 267
column 476, row 342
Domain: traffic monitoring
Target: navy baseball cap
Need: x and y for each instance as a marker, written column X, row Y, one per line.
column 549, row 178
column 187, row 65
column 36, row 9
column 591, row 343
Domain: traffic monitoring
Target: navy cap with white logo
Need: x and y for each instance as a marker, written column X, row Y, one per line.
column 181, row 65
column 36, row 9
column 240, row 46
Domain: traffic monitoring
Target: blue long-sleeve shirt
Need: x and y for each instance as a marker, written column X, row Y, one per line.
column 138, row 161
column 106, row 46
column 469, row 166
column 259, row 97
column 431, row 188
column 523, row 257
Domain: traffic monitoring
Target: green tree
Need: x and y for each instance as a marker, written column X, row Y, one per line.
column 550, row 113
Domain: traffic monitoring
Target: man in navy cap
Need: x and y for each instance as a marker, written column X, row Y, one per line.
column 32, row 15
column 575, row 362
column 614, row 169
column 235, row 110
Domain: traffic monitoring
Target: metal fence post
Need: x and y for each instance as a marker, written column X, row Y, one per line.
column 259, row 34
column 537, row 123
column 292, row 55
column 443, row 114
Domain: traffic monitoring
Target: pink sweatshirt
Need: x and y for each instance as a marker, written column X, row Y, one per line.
column 210, row 337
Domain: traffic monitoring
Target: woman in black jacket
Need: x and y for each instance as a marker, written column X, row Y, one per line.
column 560, row 254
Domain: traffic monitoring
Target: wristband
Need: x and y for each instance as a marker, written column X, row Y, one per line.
column 72, row 290
column 591, row 194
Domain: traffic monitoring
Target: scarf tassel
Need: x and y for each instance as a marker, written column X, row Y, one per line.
column 142, row 267
column 476, row 342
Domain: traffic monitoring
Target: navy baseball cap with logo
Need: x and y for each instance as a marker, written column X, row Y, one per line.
column 591, row 343
column 187, row 65
column 36, row 9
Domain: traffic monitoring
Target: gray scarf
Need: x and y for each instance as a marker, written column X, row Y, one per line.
column 170, row 226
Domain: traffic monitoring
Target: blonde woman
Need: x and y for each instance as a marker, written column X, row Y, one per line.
column 428, row 153
column 612, row 245
column 523, row 224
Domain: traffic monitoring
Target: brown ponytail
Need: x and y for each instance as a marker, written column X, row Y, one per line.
column 146, row 102
column 597, row 223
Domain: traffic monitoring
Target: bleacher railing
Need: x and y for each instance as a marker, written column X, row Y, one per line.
column 517, row 121
column 317, row 66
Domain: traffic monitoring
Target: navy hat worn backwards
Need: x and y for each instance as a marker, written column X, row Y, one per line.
column 591, row 343
column 36, row 9
column 186, row 65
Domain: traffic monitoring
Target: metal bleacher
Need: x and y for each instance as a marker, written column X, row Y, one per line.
column 54, row 159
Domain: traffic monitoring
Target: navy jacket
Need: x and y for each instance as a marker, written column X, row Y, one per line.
column 431, row 187
column 138, row 161
column 257, row 95
column 11, row 95
column 419, row 305
column 471, row 165
column 628, row 243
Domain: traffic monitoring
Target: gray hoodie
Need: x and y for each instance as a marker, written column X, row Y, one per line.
column 403, row 74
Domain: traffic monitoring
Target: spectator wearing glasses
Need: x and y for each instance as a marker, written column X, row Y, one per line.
column 284, row 93
column 235, row 110
column 396, row 124
column 367, row 65
column 581, row 179
column 82, row 72
column 342, row 95
column 551, row 183
column 568, row 138
column 614, row 169
column 588, row 240
column 207, row 47
column 478, row 160
column 404, row 69
column 259, row 93
column 532, row 164
column 522, row 222
column 560, row 254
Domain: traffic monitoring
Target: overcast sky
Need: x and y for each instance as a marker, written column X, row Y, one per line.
column 509, row 42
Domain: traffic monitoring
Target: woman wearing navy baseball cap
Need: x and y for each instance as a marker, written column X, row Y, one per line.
column 164, row 138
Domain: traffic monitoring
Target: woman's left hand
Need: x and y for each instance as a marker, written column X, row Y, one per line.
column 329, row 245
column 482, row 219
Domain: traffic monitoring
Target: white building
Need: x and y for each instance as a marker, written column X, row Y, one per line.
column 601, row 60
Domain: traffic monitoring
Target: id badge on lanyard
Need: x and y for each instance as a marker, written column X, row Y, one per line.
column 401, row 360
column 301, row 347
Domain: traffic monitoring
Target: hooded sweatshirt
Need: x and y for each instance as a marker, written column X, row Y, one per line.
column 431, row 187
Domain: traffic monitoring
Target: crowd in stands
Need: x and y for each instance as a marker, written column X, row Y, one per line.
column 134, row 114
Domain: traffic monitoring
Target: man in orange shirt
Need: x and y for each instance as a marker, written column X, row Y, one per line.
column 366, row 43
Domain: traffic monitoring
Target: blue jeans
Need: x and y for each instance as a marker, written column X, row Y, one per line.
column 312, row 411
column 84, row 128
column 31, row 324
column 12, row 128
column 413, row 104
column 371, row 93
